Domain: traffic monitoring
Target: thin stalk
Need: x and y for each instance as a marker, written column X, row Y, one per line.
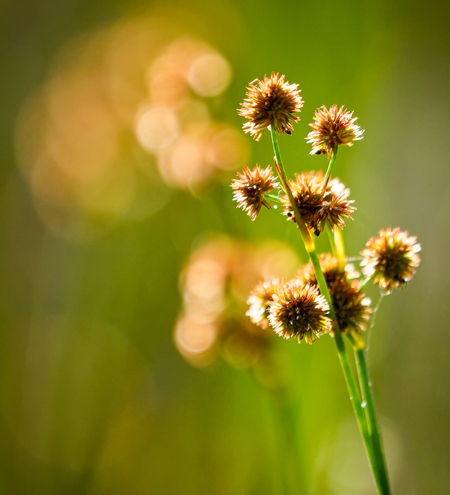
column 273, row 197
column 352, row 386
column 365, row 282
column 329, row 169
column 340, row 250
column 374, row 430
column 331, row 239
column 306, row 236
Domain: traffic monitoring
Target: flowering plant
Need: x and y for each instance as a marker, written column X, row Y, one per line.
column 326, row 296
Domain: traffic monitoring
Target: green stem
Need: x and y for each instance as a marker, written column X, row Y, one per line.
column 331, row 239
column 365, row 282
column 330, row 168
column 374, row 430
column 306, row 236
column 352, row 386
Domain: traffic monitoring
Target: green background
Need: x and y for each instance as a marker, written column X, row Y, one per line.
column 94, row 396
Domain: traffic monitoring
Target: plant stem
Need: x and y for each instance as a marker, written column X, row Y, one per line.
column 306, row 236
column 374, row 430
column 329, row 169
column 352, row 387
column 331, row 239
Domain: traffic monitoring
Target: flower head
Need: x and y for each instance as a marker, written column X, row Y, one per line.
column 317, row 207
column 332, row 128
column 352, row 308
column 259, row 301
column 391, row 258
column 250, row 187
column 300, row 312
column 270, row 102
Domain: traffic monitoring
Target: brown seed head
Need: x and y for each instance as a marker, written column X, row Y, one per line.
column 300, row 312
column 259, row 301
column 332, row 128
column 250, row 188
column 352, row 308
column 317, row 208
column 391, row 258
column 270, row 102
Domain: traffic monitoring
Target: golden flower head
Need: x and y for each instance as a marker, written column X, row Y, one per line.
column 250, row 188
column 300, row 312
column 259, row 301
column 332, row 128
column 391, row 258
column 271, row 102
column 352, row 308
column 317, row 207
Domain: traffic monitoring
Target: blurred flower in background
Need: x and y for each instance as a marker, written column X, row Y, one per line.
column 215, row 285
column 175, row 124
column 122, row 115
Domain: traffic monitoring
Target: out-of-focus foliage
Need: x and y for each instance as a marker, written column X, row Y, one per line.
column 119, row 137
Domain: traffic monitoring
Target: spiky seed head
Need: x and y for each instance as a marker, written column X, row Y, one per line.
column 300, row 312
column 391, row 258
column 316, row 206
column 332, row 128
column 250, row 188
column 259, row 301
column 351, row 307
column 271, row 102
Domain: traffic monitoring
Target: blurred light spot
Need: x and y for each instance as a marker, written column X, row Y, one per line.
column 182, row 164
column 193, row 339
column 209, row 74
column 276, row 260
column 194, row 113
column 72, row 136
column 189, row 154
column 228, row 149
column 157, row 128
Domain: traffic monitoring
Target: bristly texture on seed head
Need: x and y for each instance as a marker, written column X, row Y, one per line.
column 271, row 102
column 300, row 312
column 250, row 188
column 317, row 207
column 332, row 128
column 352, row 308
column 260, row 299
column 391, row 258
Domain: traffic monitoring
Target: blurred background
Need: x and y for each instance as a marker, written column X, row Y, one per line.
column 126, row 362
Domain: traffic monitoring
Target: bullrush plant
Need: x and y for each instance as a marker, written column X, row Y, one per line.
column 326, row 295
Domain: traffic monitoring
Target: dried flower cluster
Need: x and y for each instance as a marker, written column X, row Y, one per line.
column 351, row 307
column 332, row 128
column 250, row 188
column 271, row 102
column 391, row 258
column 299, row 311
column 317, row 208
column 259, row 301
column 296, row 309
